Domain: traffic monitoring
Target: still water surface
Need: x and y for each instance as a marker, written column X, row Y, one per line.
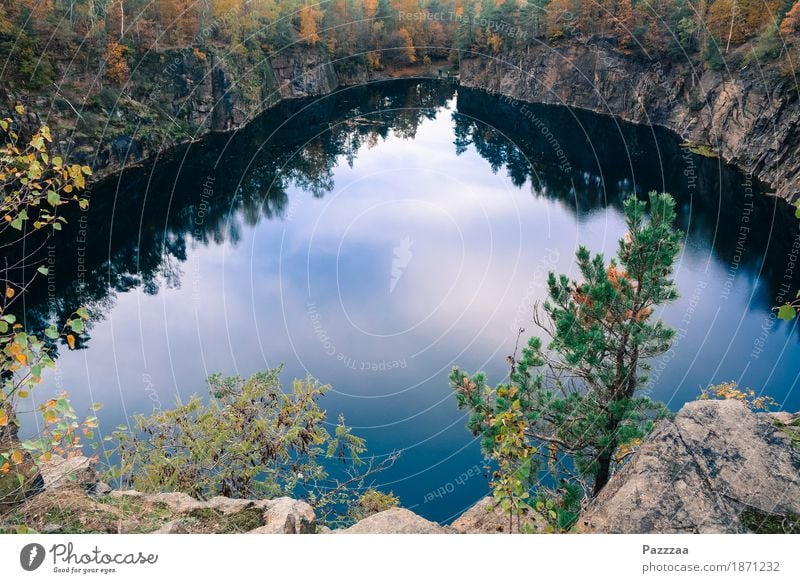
column 376, row 237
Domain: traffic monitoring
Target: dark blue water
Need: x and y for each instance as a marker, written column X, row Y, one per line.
column 376, row 237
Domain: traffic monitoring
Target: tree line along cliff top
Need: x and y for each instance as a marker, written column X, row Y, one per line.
column 56, row 41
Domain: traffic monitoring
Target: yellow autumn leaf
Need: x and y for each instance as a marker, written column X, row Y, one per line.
column 3, row 419
column 71, row 341
column 23, row 360
column 5, row 468
column 16, row 457
column 10, row 292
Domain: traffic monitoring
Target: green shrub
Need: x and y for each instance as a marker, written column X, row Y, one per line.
column 250, row 439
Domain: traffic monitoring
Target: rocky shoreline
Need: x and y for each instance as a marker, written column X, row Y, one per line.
column 717, row 467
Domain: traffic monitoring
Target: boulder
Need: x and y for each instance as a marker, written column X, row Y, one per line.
column 281, row 515
column 128, row 493
column 482, row 518
column 286, row 516
column 783, row 417
column 101, row 489
column 228, row 505
column 59, row 472
column 177, row 502
column 395, row 521
column 711, row 470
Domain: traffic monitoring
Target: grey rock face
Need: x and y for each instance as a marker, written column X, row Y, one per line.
column 281, row 515
column 395, row 521
column 302, row 73
column 178, row 502
column 59, row 472
column 101, row 489
column 286, row 516
column 700, row 473
column 228, row 505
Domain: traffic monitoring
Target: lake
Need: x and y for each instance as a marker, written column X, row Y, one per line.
column 376, row 237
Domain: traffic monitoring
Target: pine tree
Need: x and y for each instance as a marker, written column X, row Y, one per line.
column 579, row 397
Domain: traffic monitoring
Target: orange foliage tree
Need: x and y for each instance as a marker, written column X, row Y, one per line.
column 117, row 70
column 790, row 26
column 734, row 21
column 309, row 27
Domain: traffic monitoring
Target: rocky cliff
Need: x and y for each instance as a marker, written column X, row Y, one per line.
column 750, row 117
column 717, row 467
column 173, row 97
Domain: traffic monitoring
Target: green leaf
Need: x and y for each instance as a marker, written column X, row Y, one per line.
column 57, row 226
column 52, row 198
column 43, row 270
column 3, row 326
column 51, row 332
column 787, row 312
column 17, row 224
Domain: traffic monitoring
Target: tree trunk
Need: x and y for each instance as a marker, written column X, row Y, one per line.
column 606, row 457
column 603, row 473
